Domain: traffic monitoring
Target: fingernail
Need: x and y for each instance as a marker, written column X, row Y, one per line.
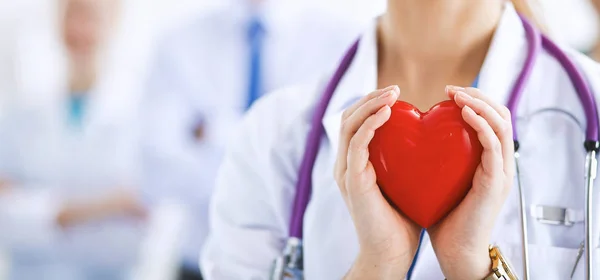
column 463, row 95
column 393, row 87
column 388, row 88
column 391, row 90
column 386, row 94
column 454, row 88
column 468, row 110
column 383, row 109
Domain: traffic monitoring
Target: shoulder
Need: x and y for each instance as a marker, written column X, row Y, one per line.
column 552, row 88
column 286, row 107
column 588, row 67
column 282, row 118
column 554, row 74
column 327, row 22
column 21, row 116
column 317, row 28
column 584, row 61
column 195, row 31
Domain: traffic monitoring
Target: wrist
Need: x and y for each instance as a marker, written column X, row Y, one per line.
column 475, row 265
column 73, row 213
column 4, row 186
column 69, row 214
column 376, row 267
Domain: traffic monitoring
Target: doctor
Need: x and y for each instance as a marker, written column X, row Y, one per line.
column 206, row 75
column 350, row 231
column 68, row 208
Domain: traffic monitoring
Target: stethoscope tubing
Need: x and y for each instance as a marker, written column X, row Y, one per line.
column 304, row 184
column 537, row 42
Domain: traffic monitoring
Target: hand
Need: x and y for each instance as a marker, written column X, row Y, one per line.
column 461, row 240
column 123, row 203
column 119, row 203
column 4, row 185
column 388, row 240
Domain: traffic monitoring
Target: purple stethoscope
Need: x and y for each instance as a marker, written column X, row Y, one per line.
column 290, row 264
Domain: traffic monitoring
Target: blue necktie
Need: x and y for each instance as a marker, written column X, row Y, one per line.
column 255, row 43
column 77, row 108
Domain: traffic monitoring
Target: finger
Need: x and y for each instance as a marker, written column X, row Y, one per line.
column 350, row 125
column 488, row 139
column 348, row 112
column 476, row 93
column 358, row 152
column 506, row 137
column 486, row 111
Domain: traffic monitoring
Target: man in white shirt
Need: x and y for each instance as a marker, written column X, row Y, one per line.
column 206, row 75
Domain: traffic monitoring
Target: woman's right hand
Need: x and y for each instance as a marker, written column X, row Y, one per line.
column 388, row 240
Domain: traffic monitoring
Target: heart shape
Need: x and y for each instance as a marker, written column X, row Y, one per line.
column 425, row 162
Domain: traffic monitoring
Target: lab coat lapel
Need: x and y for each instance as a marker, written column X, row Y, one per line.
column 505, row 58
column 359, row 80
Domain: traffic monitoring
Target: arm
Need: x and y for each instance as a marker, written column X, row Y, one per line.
column 33, row 214
column 118, row 203
column 28, row 217
column 250, row 206
column 461, row 239
column 388, row 240
column 4, row 185
column 36, row 216
column 25, row 212
column 252, row 203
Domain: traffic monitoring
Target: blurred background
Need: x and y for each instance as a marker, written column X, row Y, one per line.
column 114, row 115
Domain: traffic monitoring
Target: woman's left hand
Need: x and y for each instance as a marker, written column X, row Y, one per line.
column 461, row 240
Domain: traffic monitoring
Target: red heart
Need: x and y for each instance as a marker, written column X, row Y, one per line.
column 425, row 162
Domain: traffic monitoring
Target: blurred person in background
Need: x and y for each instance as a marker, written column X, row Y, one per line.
column 68, row 208
column 207, row 73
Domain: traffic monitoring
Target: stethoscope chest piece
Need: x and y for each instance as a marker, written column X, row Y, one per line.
column 290, row 265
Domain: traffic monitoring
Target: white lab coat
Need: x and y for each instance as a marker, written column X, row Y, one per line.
column 50, row 161
column 201, row 75
column 255, row 191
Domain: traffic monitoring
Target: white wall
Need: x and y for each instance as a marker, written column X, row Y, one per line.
column 572, row 21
